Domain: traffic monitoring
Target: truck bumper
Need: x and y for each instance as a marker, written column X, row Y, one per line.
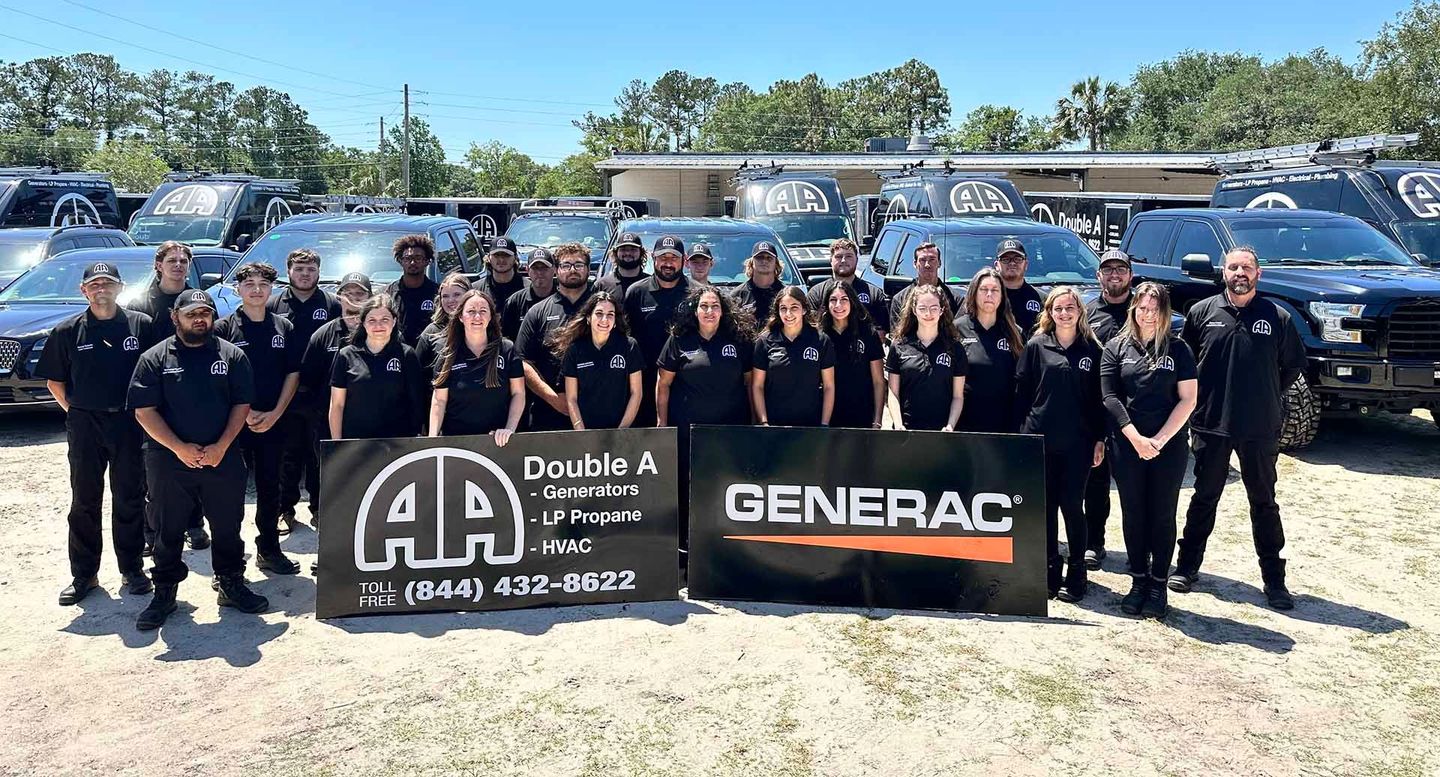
column 1397, row 384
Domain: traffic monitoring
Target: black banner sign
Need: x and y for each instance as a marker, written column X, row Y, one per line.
column 920, row 520
column 459, row 523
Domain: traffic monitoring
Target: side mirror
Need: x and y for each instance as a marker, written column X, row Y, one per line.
column 242, row 242
column 867, row 244
column 1198, row 265
column 210, row 279
column 1426, row 260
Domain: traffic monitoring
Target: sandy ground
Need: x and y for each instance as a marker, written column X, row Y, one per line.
column 1348, row 683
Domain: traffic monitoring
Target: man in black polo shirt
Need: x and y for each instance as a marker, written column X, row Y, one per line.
column 1247, row 353
column 191, row 392
column 1106, row 314
column 87, row 364
column 548, row 411
column 629, row 256
column 650, row 307
column 503, row 278
column 540, row 269
column 414, row 292
column 927, row 273
column 762, row 282
column 1025, row 302
column 274, row 351
column 844, row 257
column 307, row 307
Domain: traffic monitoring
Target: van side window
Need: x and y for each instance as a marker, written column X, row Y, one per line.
column 1196, row 237
column 1147, row 241
column 447, row 256
column 470, row 249
column 884, row 255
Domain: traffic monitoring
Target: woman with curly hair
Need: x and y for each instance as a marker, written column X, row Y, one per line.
column 601, row 365
column 479, row 380
column 926, row 362
column 793, row 383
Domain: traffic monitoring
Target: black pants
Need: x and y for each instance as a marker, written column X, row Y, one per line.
column 645, row 416
column 1149, row 497
column 99, row 440
column 299, row 462
column 263, row 454
column 177, row 492
column 1257, row 471
column 1065, row 474
column 1097, row 500
column 318, row 427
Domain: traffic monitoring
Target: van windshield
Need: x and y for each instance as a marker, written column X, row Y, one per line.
column 341, row 251
column 1420, row 237
column 194, row 230
column 808, row 230
column 1282, row 241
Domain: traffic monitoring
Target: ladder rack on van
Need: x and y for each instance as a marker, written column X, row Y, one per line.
column 919, row 169
column 50, row 172
column 1360, row 150
column 534, row 206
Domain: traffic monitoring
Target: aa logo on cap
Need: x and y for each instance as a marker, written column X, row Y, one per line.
column 278, row 341
column 1003, row 345
column 393, row 365
column 1085, row 364
column 101, row 267
column 1166, row 363
column 811, row 355
column 668, row 242
column 219, row 368
column 434, row 508
column 1033, row 305
column 131, row 343
column 1262, row 327
column 617, row 362
column 730, row 351
column 428, row 306
column 320, row 315
column 943, row 360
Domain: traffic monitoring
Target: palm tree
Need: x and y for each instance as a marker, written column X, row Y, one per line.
column 1091, row 112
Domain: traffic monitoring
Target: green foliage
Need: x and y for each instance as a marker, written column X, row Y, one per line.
column 429, row 175
column 1092, row 112
column 1402, row 64
column 502, row 171
column 575, row 176
column 133, row 165
column 999, row 128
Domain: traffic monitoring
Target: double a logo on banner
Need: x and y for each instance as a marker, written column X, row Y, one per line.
column 459, row 523
column 927, row 520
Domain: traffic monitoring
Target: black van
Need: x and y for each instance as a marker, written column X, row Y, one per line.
column 806, row 210
column 43, row 197
column 209, row 209
column 945, row 193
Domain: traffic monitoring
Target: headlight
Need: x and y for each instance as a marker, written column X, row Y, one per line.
column 33, row 360
column 1330, row 315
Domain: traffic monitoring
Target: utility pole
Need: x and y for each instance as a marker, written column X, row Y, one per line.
column 380, row 154
column 405, row 153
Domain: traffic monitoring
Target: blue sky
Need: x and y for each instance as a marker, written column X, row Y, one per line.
column 519, row 72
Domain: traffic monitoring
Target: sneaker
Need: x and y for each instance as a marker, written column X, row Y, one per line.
column 276, row 561
column 137, row 583
column 1076, row 584
column 160, row 607
column 1181, row 583
column 1156, row 602
column 1135, row 600
column 287, row 522
column 1278, row 596
column 234, row 593
column 1093, row 558
column 314, row 567
column 77, row 590
column 197, row 539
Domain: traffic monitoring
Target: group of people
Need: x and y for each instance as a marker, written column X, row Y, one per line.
column 1107, row 386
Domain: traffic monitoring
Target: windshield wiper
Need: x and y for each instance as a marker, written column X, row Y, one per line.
column 811, row 244
column 1373, row 260
column 1294, row 260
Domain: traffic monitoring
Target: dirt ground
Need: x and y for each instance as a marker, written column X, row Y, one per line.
column 1347, row 684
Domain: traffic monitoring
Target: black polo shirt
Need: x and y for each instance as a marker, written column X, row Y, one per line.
column 927, row 375
column 1057, row 393
column 416, row 306
column 471, row 407
column 1106, row 319
column 540, row 323
column 897, row 303
column 1246, row 358
column 95, row 358
column 650, row 309
column 306, row 315
column 1025, row 305
column 157, row 305
column 709, row 385
column 602, row 377
column 619, row 285
column 757, row 300
column 1140, row 390
column 990, row 382
column 193, row 388
column 870, row 295
column 500, row 291
column 854, row 387
column 429, row 345
column 272, row 347
column 516, row 307
column 316, row 363
column 792, row 375
column 384, row 392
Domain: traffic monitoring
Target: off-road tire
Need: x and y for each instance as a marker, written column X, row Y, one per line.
column 1302, row 416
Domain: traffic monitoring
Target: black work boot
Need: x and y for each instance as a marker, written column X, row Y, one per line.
column 273, row 560
column 1053, row 574
column 234, row 593
column 1076, row 582
column 1157, row 601
column 160, row 607
column 137, row 582
column 197, row 538
column 78, row 589
column 1135, row 600
column 1182, row 582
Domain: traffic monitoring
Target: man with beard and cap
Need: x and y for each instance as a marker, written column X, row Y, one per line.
column 844, row 257
column 1106, row 314
column 1025, row 302
column 414, row 292
column 699, row 262
column 540, row 268
column 548, row 411
column 1248, row 352
column 927, row 273
column 86, row 364
column 629, row 256
column 762, row 282
column 503, row 277
column 191, row 393
column 649, row 308
column 307, row 307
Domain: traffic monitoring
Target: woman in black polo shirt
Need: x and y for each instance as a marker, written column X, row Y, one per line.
column 992, row 344
column 793, row 383
column 601, row 364
column 377, row 386
column 1147, row 380
column 447, row 303
column 1057, row 394
column 859, row 375
column 926, row 363
column 479, row 380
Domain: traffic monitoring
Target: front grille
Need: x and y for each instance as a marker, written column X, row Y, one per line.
column 1415, row 331
column 9, row 353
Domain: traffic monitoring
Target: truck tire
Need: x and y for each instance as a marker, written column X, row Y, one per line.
column 1302, row 416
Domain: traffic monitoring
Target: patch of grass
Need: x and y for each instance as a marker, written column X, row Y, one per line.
column 1061, row 689
column 1426, row 700
column 876, row 660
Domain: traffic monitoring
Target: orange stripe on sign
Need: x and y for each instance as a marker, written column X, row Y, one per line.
column 998, row 549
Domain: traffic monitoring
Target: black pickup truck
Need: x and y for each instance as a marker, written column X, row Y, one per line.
column 1368, row 312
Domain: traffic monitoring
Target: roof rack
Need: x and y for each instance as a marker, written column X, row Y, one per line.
column 25, row 172
column 613, row 209
column 1359, row 150
column 919, row 169
column 199, row 175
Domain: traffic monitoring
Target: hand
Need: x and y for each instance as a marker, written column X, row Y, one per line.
column 502, row 436
column 189, row 454
column 1099, row 454
column 212, row 455
column 1145, row 447
column 559, row 404
column 947, row 428
column 260, row 421
column 1159, row 441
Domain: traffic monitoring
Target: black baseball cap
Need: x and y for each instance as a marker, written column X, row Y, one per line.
column 1115, row 255
column 630, row 239
column 764, row 247
column 1010, row 246
column 669, row 244
column 192, row 299
column 101, row 270
column 502, row 245
column 540, row 254
column 700, row 249
column 356, row 278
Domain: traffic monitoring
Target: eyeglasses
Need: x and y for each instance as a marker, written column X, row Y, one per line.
column 1012, row 259
column 1115, row 270
column 574, row 266
column 929, row 310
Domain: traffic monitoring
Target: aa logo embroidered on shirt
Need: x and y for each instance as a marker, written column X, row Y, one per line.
column 500, row 363
column 393, row 365
column 278, row 341
column 219, row 368
column 428, row 306
column 811, row 355
column 617, row 362
column 1003, row 345
column 943, row 360
column 1166, row 363
column 859, row 346
column 1033, row 305
column 131, row 343
column 320, row 315
column 1084, row 364
column 1262, row 327
column 864, row 297
column 729, row 350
